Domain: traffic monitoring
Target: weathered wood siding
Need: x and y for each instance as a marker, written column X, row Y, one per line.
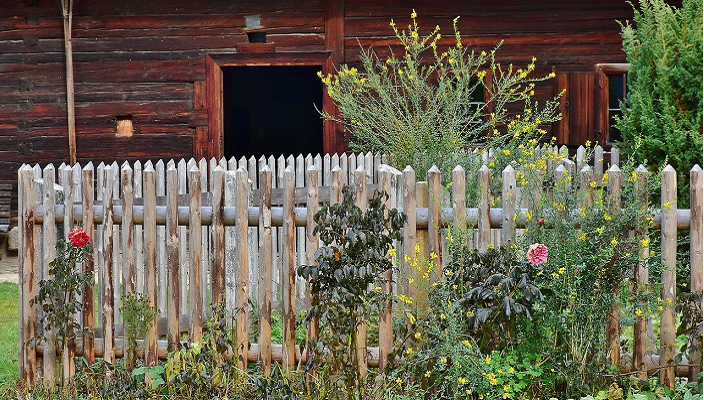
column 147, row 60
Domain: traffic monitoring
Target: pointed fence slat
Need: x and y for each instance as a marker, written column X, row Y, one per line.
column 49, row 253
column 88, row 266
column 27, row 314
column 696, row 247
column 434, row 205
column 640, row 334
column 242, row 294
column 184, row 260
column 508, row 226
column 361, row 181
column 668, row 242
column 266, row 257
column 217, row 268
column 613, row 332
column 409, row 232
column 161, row 243
column 150, row 268
column 385, row 314
column 68, row 361
column 483, row 221
column 312, row 241
column 138, row 232
column 128, row 259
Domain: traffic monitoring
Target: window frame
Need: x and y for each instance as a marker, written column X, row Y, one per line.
column 605, row 71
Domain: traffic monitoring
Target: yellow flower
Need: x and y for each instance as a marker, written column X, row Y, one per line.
column 409, row 350
column 660, row 309
column 433, row 256
column 600, row 230
column 443, row 360
column 448, row 272
column 607, row 217
column 427, row 374
column 592, row 184
column 392, row 252
column 411, row 280
column 554, row 275
column 507, row 152
column 645, row 242
column 668, row 205
column 414, row 15
column 490, row 246
column 417, row 248
column 399, row 381
column 551, row 75
column 411, row 319
column 562, row 270
column 466, row 343
column 501, row 371
column 407, row 258
column 511, row 370
column 639, row 313
column 583, row 237
column 442, row 316
column 468, row 391
column 378, row 288
column 417, row 335
column 614, row 242
column 487, row 360
column 462, row 381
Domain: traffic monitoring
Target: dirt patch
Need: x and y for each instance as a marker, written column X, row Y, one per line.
column 9, row 268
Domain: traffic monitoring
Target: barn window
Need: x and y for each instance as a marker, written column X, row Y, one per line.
column 123, row 126
column 615, row 93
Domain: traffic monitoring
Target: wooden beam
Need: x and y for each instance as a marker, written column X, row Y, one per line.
column 333, row 133
column 67, row 11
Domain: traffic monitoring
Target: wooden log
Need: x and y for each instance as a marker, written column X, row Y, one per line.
column 508, row 225
column 217, row 268
column 613, row 332
column 668, row 242
column 196, row 249
column 266, row 258
column 434, row 206
column 68, row 361
column 696, row 187
column 361, row 181
column 312, row 244
column 409, row 233
column 172, row 258
column 151, row 356
column 385, row 314
column 88, row 266
column 483, row 221
column 27, row 315
column 289, row 271
column 242, row 226
column 49, row 245
column 640, row 333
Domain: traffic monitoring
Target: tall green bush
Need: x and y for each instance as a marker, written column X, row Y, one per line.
column 662, row 117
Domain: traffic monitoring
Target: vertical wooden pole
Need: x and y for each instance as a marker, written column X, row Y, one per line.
column 152, row 351
column 640, row 334
column 68, row 353
column 196, row 247
column 49, row 243
column 88, row 266
column 385, row 317
column 289, row 270
column 668, row 239
column 409, row 232
column 508, row 226
column 459, row 198
column 483, row 221
column 128, row 272
column 242, row 227
column 598, row 163
column 586, row 177
column 230, row 244
column 312, row 243
column 160, row 184
column 172, row 259
column 218, row 231
column 138, row 231
column 184, row 260
column 434, row 206
column 613, row 332
column 107, row 288
column 67, row 11
column 266, row 258
column 27, row 332
column 205, row 177
column 697, row 264
column 361, row 181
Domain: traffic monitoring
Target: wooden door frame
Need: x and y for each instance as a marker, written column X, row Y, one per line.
column 211, row 144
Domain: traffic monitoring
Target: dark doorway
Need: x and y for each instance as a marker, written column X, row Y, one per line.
column 272, row 111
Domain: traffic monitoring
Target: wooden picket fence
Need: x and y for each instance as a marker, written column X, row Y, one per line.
column 191, row 233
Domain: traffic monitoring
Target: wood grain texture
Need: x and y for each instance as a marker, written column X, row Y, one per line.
column 668, row 243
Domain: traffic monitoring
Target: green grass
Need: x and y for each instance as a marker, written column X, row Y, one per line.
column 9, row 307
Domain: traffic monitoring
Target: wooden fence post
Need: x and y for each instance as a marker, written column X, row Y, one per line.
column 640, row 334
column 289, row 270
column 266, row 261
column 242, row 272
column 483, row 222
column 68, row 353
column 508, row 226
column 613, row 331
column 27, row 321
column 696, row 260
column 128, row 264
column 88, row 266
column 312, row 243
column 49, row 253
column 108, row 299
column 196, row 247
column 434, row 206
column 152, row 350
column 361, row 181
column 668, row 231
column 409, row 233
column 385, row 317
column 218, row 231
column 173, row 267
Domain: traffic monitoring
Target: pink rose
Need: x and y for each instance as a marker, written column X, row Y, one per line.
column 78, row 237
column 537, row 253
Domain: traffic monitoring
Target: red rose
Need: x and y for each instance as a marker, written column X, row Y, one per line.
column 541, row 222
column 78, row 237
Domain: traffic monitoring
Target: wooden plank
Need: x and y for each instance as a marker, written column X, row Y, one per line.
column 230, row 243
column 128, row 259
column 312, row 244
column 88, row 266
column 696, row 195
column 218, row 231
column 138, row 232
column 266, row 257
column 668, row 238
column 483, row 222
column 434, row 206
column 161, row 243
column 68, row 361
column 242, row 308
column 205, row 238
column 116, row 258
column 508, row 222
column 640, row 333
column 172, row 259
column 108, row 299
column 361, row 181
column 586, row 179
column 409, row 232
column 196, row 249
column 598, row 163
column 289, row 270
column 49, row 253
column 301, row 230
column 151, row 356
column 99, row 233
column 385, row 314
column 422, row 234
column 459, row 198
column 184, row 260
column 613, row 331
column 253, row 233
column 27, row 315
column 336, row 182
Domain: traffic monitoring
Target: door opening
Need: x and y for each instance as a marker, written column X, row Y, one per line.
column 271, row 110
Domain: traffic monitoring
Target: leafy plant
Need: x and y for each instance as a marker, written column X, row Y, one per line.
column 347, row 280
column 138, row 316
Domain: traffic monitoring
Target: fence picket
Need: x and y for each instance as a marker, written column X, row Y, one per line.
column 27, row 313
column 361, row 181
column 138, row 231
column 385, row 314
column 266, row 257
column 312, row 241
column 88, row 266
column 152, row 349
column 217, row 269
column 640, row 334
column 173, row 265
column 409, row 233
column 508, row 225
column 108, row 288
column 668, row 244
column 613, row 332
column 696, row 187
column 242, row 231
column 161, row 242
column 289, row 260
column 483, row 222
column 434, row 206
column 68, row 361
column 49, row 253
column 184, row 260
column 196, row 247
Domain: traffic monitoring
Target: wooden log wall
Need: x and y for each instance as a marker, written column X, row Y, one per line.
column 147, row 61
